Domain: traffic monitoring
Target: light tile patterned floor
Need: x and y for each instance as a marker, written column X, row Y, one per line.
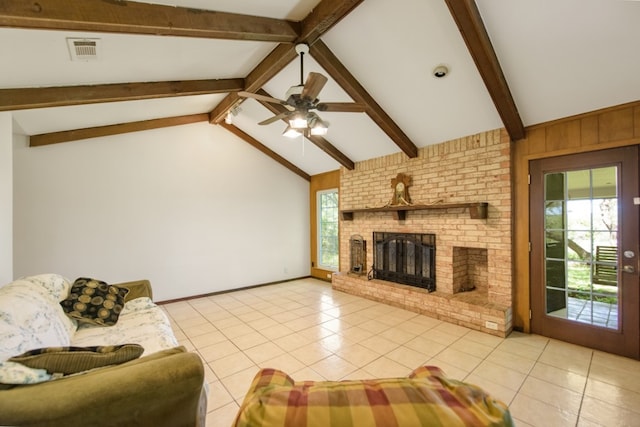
column 314, row 333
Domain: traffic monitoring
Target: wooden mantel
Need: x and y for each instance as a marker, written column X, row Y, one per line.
column 477, row 210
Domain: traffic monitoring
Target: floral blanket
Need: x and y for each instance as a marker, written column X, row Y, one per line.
column 31, row 317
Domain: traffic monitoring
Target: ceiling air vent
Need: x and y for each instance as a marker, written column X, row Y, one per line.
column 83, row 49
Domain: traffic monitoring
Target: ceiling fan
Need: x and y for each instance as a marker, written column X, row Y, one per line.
column 301, row 101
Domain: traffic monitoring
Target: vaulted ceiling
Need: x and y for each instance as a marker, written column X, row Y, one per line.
column 512, row 64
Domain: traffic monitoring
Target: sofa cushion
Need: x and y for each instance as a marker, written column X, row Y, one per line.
column 31, row 316
column 70, row 360
column 94, row 302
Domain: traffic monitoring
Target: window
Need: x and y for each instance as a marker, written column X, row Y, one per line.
column 328, row 245
column 581, row 248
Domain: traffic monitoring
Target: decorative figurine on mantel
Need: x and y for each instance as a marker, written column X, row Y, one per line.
column 400, row 185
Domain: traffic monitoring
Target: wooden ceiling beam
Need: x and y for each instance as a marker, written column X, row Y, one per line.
column 324, row 16
column 279, row 57
column 332, row 151
column 467, row 17
column 319, row 141
column 143, row 18
column 95, row 132
column 266, row 150
column 41, row 97
column 355, row 90
column 140, row 18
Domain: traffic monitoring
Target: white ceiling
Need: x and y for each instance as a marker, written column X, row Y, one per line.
column 559, row 57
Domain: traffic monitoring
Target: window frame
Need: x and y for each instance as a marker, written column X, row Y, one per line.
column 319, row 230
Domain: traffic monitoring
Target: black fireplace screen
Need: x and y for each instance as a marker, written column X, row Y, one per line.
column 406, row 258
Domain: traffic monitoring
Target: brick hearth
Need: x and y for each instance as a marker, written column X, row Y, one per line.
column 469, row 252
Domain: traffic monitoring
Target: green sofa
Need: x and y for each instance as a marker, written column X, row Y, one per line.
column 164, row 387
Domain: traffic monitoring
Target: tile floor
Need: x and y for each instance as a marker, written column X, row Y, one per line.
column 313, row 332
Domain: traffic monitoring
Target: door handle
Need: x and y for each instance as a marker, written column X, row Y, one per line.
column 628, row 269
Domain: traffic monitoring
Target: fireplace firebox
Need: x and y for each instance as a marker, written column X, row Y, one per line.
column 406, row 258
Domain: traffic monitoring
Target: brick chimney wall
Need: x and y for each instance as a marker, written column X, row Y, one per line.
column 476, row 168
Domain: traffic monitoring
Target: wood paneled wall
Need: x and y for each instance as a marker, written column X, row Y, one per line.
column 324, row 181
column 612, row 127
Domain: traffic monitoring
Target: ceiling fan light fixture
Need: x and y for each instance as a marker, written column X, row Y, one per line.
column 319, row 127
column 290, row 132
column 298, row 121
column 298, row 109
column 319, row 131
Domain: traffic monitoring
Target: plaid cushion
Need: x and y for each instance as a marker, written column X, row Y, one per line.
column 425, row 398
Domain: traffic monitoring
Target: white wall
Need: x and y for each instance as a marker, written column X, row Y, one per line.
column 6, row 199
column 192, row 208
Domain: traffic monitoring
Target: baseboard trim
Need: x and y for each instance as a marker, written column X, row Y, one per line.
column 226, row 291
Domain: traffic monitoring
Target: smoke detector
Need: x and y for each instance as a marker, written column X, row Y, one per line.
column 440, row 71
column 83, row 49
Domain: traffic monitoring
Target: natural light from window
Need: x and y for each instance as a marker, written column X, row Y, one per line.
column 328, row 229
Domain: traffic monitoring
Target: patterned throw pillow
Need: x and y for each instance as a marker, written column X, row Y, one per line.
column 70, row 360
column 94, row 302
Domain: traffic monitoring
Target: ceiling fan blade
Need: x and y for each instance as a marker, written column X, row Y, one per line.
column 275, row 118
column 342, row 107
column 261, row 97
column 312, row 87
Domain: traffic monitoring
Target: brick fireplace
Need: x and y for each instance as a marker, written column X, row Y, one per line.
column 473, row 261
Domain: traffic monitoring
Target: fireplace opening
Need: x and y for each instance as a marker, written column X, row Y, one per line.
column 470, row 269
column 406, row 258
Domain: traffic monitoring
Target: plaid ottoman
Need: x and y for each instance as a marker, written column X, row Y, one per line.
column 424, row 398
